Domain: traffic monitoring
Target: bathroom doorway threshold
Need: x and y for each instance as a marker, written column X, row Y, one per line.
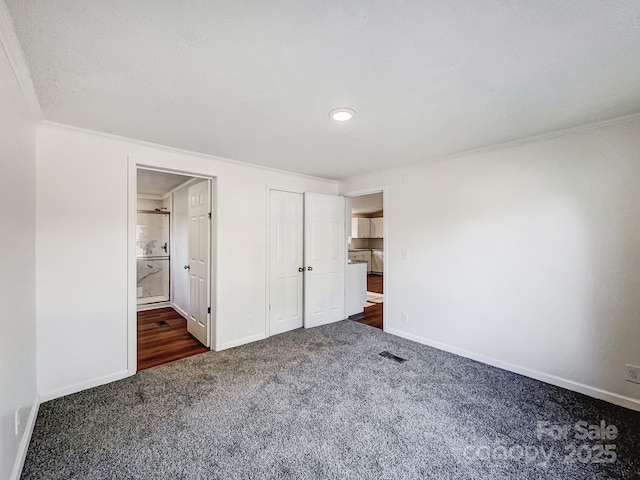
column 163, row 338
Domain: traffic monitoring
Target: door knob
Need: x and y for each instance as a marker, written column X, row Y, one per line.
column 187, row 267
column 309, row 268
column 301, row 269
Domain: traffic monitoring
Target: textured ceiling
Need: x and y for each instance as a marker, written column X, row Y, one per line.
column 254, row 81
column 151, row 182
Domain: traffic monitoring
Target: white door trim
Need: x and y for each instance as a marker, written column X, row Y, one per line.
column 132, row 186
column 369, row 191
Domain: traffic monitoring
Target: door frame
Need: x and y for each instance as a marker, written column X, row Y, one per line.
column 369, row 191
column 132, row 207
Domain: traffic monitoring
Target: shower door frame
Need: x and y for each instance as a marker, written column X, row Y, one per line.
column 165, row 164
column 164, row 303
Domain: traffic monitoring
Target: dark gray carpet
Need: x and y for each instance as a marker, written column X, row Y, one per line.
column 322, row 403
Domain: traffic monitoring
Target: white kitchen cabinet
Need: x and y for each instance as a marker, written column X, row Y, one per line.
column 376, row 227
column 366, row 256
column 360, row 228
column 377, row 261
column 361, row 256
column 367, row 227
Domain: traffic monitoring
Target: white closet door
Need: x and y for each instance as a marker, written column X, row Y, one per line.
column 285, row 261
column 325, row 259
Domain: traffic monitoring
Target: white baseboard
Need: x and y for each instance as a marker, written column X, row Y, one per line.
column 180, row 311
column 26, row 439
column 611, row 397
column 241, row 341
column 78, row 387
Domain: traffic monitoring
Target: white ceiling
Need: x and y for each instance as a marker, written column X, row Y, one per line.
column 366, row 203
column 254, row 81
column 151, row 182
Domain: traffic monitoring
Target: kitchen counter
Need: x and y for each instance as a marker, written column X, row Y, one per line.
column 361, row 255
column 356, row 294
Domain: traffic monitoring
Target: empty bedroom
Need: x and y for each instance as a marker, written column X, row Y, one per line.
column 323, row 240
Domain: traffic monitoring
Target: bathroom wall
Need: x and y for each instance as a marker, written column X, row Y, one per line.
column 153, row 204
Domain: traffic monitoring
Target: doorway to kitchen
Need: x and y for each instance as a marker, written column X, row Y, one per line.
column 365, row 268
column 173, row 268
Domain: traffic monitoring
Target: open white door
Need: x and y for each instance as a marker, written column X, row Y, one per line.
column 285, row 261
column 199, row 261
column 325, row 259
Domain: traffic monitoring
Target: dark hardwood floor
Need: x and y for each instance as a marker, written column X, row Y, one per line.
column 372, row 316
column 162, row 344
column 375, row 283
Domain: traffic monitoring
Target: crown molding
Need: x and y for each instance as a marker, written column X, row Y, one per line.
column 181, row 151
column 9, row 42
column 610, row 122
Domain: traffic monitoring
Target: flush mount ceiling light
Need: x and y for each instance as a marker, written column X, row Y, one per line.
column 342, row 114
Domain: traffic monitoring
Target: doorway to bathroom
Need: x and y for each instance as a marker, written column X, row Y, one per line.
column 173, row 238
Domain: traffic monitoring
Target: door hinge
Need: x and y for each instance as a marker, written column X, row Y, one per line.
column 209, row 310
column 209, row 215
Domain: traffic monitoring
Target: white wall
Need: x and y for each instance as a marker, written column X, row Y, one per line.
column 82, row 251
column 17, row 283
column 526, row 257
column 152, row 204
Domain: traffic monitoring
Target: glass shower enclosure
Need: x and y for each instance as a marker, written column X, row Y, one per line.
column 152, row 257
